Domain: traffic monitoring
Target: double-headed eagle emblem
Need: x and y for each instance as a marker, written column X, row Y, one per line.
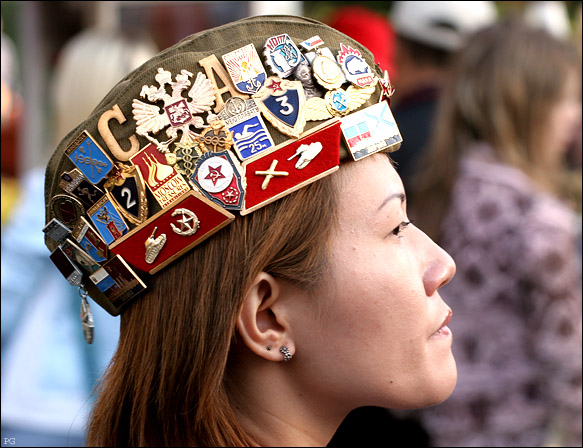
column 178, row 112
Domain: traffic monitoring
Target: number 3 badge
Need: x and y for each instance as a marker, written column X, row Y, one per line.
column 125, row 188
column 282, row 103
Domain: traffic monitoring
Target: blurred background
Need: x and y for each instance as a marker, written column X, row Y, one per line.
column 59, row 59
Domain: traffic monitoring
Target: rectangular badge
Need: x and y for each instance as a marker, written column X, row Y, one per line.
column 76, row 183
column 371, row 130
column 89, row 158
column 90, row 240
column 291, row 166
column 56, row 230
column 107, row 220
column 69, row 270
column 171, row 232
column 117, row 281
column 165, row 183
column 79, row 256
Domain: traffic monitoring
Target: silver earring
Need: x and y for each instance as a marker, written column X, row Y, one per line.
column 268, row 347
column 287, row 356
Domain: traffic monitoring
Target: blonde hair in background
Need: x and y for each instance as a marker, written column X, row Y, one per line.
column 500, row 91
column 90, row 64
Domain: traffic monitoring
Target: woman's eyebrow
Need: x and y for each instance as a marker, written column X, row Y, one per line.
column 399, row 195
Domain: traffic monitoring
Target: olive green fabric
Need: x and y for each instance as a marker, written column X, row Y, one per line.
column 185, row 55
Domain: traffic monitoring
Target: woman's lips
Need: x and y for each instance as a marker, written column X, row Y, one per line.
column 443, row 331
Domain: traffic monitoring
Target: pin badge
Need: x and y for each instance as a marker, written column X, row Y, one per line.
column 126, row 190
column 337, row 103
column 89, row 158
column 218, row 177
column 117, row 281
column 245, row 69
column 79, row 256
column 66, row 266
column 216, row 137
column 75, row 183
column 282, row 55
column 56, row 230
column 67, row 209
column 312, row 43
column 282, row 103
column 291, row 166
column 327, row 72
column 371, row 130
column 355, row 68
column 154, row 245
column 90, row 240
column 163, row 181
column 211, row 218
column 107, row 220
column 178, row 113
column 243, row 119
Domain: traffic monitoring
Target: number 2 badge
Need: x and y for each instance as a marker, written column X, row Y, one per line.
column 282, row 103
column 125, row 188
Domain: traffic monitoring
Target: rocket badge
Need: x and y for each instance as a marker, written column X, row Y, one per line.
column 282, row 104
column 245, row 69
column 107, row 220
column 89, row 158
column 243, row 119
column 217, row 176
column 355, row 68
column 282, row 55
column 126, row 190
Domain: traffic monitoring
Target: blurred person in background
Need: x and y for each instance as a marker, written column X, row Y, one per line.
column 490, row 193
column 427, row 33
column 48, row 372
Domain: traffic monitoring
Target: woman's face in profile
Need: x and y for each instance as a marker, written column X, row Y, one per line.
column 374, row 336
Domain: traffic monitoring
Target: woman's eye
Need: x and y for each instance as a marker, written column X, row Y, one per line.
column 397, row 230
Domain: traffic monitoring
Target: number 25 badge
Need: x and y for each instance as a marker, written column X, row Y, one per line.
column 282, row 103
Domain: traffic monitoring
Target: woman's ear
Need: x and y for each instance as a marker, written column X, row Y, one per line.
column 262, row 326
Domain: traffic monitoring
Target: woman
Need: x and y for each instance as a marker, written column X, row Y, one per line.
column 275, row 327
column 490, row 193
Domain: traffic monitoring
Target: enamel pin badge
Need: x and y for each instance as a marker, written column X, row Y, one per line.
column 245, row 69
column 165, row 183
column 107, row 220
column 56, row 230
column 282, row 55
column 76, row 183
column 188, row 222
column 282, row 103
column 217, row 176
column 90, row 240
column 89, row 158
column 66, row 267
column 66, row 209
column 371, row 130
column 243, row 119
column 126, row 190
column 355, row 68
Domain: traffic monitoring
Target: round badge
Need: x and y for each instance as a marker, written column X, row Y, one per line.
column 215, row 174
column 67, row 209
column 327, row 72
column 337, row 102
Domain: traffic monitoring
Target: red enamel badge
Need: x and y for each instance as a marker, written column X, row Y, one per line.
column 291, row 166
column 171, row 232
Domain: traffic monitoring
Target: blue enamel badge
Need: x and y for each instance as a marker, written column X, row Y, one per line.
column 282, row 103
column 88, row 156
column 282, row 55
column 109, row 223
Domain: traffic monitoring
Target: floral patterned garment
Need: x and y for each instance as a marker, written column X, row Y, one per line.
column 516, row 301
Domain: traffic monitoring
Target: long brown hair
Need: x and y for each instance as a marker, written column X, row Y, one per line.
column 167, row 384
column 500, row 90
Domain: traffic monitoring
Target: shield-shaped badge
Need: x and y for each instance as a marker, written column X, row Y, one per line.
column 282, row 104
column 282, row 55
column 217, row 175
column 126, row 190
column 245, row 69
